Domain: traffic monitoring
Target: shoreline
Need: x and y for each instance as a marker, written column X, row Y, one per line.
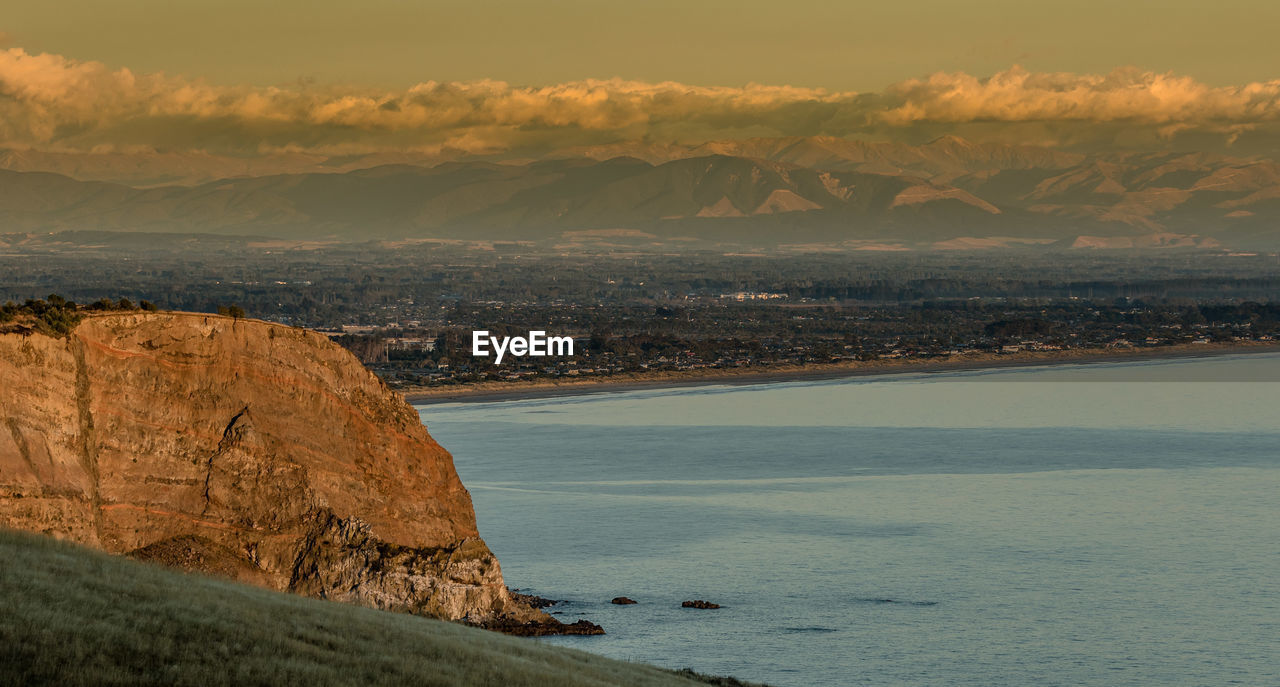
column 639, row 381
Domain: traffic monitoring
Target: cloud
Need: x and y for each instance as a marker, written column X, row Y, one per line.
column 1126, row 94
column 54, row 103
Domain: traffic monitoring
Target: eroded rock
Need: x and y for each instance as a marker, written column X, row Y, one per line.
column 245, row 449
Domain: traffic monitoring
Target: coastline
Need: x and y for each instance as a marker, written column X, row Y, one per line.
column 637, row 381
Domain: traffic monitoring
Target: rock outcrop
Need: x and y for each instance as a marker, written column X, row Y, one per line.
column 699, row 603
column 244, row 449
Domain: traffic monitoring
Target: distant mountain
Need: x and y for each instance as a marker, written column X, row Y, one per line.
column 949, row 193
column 945, row 157
column 146, row 168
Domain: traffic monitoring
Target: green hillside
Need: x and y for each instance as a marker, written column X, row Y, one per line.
column 72, row 616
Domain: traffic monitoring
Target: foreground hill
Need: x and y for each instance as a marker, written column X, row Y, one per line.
column 239, row 448
column 948, row 193
column 77, row 617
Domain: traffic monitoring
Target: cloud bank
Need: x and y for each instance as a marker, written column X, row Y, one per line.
column 50, row 102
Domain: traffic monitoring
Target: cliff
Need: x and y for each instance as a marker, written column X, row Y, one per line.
column 244, row 449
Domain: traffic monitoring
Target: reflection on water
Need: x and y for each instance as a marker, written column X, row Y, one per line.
column 930, row 530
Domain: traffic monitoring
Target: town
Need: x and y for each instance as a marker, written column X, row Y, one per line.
column 409, row 312
column 710, row 335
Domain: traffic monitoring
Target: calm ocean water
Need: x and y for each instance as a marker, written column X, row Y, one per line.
column 1111, row 524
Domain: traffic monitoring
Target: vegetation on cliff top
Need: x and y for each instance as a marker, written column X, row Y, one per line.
column 57, row 316
column 73, row 616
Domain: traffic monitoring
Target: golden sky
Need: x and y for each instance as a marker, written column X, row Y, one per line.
column 842, row 45
column 342, row 77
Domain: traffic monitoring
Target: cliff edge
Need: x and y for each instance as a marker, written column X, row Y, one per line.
column 245, row 449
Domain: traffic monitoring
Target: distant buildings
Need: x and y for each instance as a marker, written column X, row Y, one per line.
column 752, row 296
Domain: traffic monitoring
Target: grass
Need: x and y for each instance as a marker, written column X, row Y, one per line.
column 73, row 616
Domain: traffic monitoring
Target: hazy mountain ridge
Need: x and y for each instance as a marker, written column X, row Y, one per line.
column 789, row 190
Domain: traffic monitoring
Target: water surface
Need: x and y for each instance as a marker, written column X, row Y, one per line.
column 1079, row 525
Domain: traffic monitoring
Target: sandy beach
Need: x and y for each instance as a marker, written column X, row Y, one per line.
column 542, row 388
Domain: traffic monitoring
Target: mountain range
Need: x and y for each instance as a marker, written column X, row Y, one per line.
column 949, row 193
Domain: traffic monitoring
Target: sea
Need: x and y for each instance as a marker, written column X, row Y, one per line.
column 1089, row 524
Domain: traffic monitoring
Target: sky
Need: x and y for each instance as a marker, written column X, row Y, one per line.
column 338, row 78
column 830, row 44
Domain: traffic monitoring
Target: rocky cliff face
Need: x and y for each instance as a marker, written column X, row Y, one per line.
column 245, row 449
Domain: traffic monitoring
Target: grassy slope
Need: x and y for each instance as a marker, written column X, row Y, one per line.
column 71, row 616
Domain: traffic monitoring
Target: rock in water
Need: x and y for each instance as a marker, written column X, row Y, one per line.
column 533, row 599
column 622, row 601
column 244, row 449
column 541, row 629
column 699, row 603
